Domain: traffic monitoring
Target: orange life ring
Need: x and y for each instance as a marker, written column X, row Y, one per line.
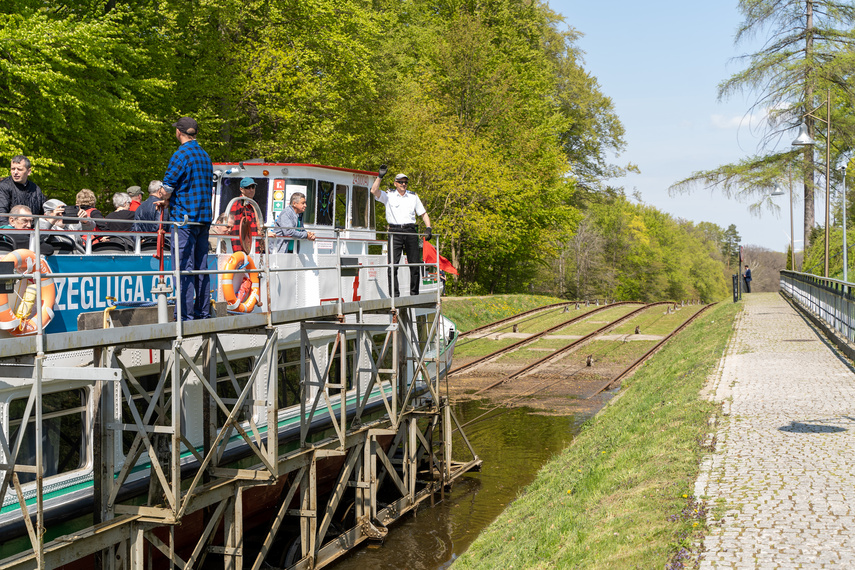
column 22, row 319
column 237, row 262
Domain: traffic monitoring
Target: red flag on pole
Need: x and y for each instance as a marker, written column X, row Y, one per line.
column 430, row 257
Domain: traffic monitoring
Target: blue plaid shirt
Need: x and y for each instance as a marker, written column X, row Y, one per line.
column 190, row 176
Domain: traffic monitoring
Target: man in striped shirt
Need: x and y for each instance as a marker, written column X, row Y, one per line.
column 188, row 185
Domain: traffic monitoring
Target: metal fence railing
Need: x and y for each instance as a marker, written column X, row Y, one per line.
column 828, row 299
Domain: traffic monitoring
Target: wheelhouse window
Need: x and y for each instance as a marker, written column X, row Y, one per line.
column 230, row 189
column 362, row 205
column 63, row 432
column 341, row 206
column 326, row 203
column 304, row 186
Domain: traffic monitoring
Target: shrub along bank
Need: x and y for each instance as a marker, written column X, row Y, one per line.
column 621, row 495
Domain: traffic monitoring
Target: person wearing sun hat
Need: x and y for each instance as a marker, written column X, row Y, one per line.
column 402, row 207
column 135, row 192
column 242, row 212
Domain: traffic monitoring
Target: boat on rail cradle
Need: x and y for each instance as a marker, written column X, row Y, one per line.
column 309, row 410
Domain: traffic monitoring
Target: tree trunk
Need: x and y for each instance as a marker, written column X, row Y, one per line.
column 809, row 162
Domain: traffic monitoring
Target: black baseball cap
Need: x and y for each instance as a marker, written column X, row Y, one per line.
column 187, row 126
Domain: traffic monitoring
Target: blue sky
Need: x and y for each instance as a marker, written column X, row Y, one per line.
column 661, row 62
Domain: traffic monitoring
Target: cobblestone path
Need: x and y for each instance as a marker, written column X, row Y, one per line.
column 780, row 484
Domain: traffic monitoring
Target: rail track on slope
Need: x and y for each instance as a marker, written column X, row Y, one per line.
column 550, row 380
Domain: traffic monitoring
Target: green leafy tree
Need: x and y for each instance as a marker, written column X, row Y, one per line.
column 730, row 246
column 72, row 97
column 808, row 50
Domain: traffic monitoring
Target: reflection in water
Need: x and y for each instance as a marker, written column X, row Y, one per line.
column 513, row 445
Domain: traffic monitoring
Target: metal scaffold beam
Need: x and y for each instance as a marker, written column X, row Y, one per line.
column 368, row 420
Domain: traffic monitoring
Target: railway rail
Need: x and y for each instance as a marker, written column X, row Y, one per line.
column 526, row 341
column 571, row 346
column 507, row 320
column 554, row 379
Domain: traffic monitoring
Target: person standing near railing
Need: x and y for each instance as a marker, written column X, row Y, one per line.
column 187, row 188
column 290, row 223
column 243, row 214
column 747, row 277
column 402, row 207
column 17, row 189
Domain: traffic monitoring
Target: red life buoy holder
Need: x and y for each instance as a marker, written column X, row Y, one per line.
column 238, row 262
column 23, row 319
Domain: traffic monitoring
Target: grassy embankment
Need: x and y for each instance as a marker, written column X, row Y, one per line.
column 470, row 312
column 621, row 495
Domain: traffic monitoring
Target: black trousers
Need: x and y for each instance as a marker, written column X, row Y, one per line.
column 406, row 239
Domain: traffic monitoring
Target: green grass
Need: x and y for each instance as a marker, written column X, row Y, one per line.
column 655, row 321
column 471, row 312
column 621, row 495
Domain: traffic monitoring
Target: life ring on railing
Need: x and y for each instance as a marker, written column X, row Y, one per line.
column 23, row 320
column 238, row 262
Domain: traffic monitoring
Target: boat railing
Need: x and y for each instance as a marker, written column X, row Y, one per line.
column 265, row 269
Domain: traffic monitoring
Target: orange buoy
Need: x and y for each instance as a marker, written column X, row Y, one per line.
column 238, row 262
column 23, row 319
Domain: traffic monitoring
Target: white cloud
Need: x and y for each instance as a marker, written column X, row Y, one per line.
column 731, row 122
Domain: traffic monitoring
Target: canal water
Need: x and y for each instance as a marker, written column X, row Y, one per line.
column 513, row 443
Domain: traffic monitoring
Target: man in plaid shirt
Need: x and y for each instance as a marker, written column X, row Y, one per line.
column 188, row 184
column 242, row 210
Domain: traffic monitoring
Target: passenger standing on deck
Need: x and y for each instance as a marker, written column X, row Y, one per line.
column 188, row 185
column 242, row 210
column 17, row 189
column 402, row 207
column 747, row 277
column 289, row 222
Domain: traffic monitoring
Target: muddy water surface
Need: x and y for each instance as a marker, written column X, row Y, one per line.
column 513, row 443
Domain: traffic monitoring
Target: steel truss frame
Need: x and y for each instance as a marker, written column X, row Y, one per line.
column 368, row 450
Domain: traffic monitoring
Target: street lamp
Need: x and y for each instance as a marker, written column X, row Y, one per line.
column 780, row 192
column 804, row 139
column 842, row 168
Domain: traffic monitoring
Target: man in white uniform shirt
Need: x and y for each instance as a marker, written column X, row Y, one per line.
column 402, row 207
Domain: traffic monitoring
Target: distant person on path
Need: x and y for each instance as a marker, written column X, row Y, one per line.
column 747, row 276
column 289, row 222
column 402, row 207
column 187, row 184
column 17, row 189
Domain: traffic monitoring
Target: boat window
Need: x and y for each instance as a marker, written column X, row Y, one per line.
column 361, row 207
column 63, row 432
column 231, row 189
column 304, row 186
column 326, row 203
column 341, row 206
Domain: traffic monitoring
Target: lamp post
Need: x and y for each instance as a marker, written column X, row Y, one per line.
column 804, row 139
column 780, row 192
column 845, row 248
